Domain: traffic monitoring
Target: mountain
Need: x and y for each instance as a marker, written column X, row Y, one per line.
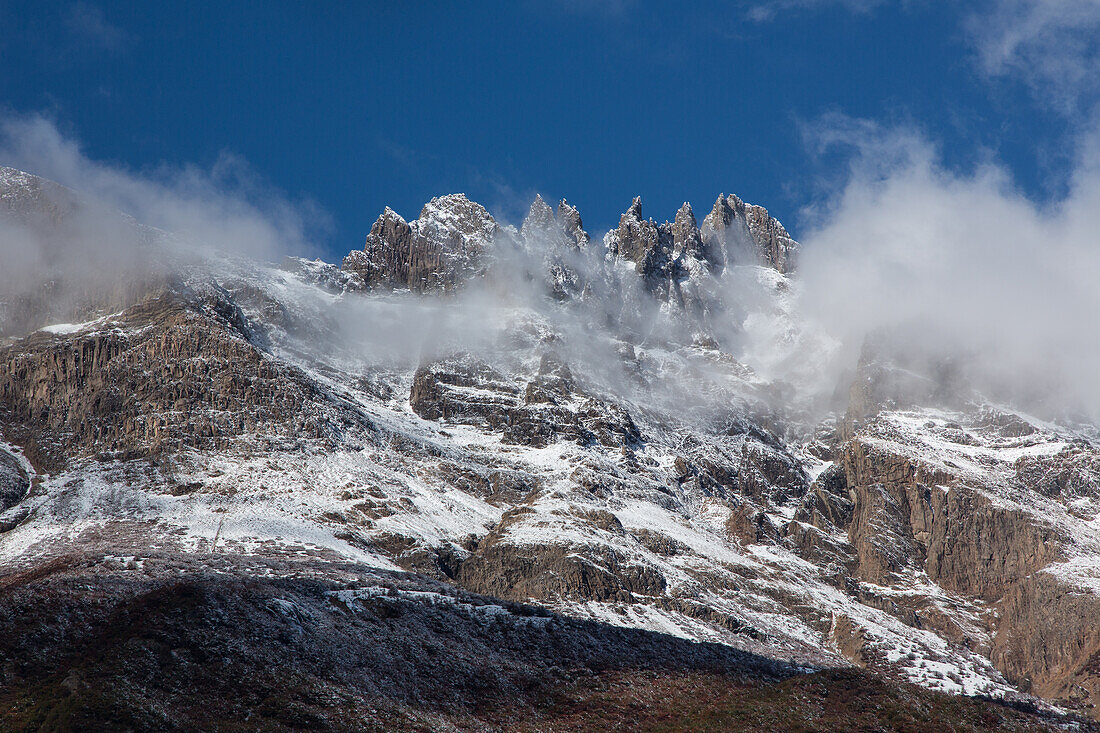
column 481, row 477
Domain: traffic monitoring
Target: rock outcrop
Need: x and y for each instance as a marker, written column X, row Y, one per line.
column 570, row 219
column 740, row 233
column 649, row 247
column 920, row 507
column 465, row 390
column 14, row 481
column 555, row 243
column 172, row 372
column 439, row 251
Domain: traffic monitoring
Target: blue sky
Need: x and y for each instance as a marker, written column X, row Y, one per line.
column 355, row 106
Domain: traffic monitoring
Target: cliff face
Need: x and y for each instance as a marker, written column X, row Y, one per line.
column 454, row 239
column 173, row 371
column 737, row 232
column 436, row 252
column 964, row 501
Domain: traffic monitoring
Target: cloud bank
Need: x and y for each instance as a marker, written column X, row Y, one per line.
column 226, row 208
column 962, row 266
column 71, row 252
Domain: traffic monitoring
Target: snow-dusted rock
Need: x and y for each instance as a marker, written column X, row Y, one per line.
column 438, row 251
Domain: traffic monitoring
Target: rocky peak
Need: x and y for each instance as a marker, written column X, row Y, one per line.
column 26, row 198
column 552, row 238
column 636, row 238
column 437, row 251
column 720, row 216
column 455, row 222
column 384, row 260
column 540, row 218
column 448, row 242
column 686, row 237
column 737, row 232
column 570, row 220
column 774, row 244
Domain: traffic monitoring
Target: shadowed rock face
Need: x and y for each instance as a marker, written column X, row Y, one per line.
column 282, row 650
column 387, row 258
column 14, row 481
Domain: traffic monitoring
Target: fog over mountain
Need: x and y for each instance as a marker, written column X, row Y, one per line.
column 962, row 268
column 828, row 465
column 800, row 456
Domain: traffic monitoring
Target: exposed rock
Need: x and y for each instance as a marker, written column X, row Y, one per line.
column 558, row 241
column 740, row 233
column 556, row 572
column 828, row 504
column 172, row 372
column 907, row 514
column 439, row 251
column 570, row 219
column 686, row 238
column 14, row 481
column 539, row 221
column 1072, row 473
column 1048, row 641
column 750, row 527
column 328, row 276
column 388, row 257
column 769, row 474
column 466, row 390
column 850, row 639
column 650, row 248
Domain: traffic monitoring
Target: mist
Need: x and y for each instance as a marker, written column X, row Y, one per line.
column 107, row 233
column 224, row 208
column 961, row 267
column 945, row 266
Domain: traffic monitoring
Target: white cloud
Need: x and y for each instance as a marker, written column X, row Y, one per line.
column 224, row 208
column 1052, row 45
column 88, row 23
column 962, row 265
column 763, row 12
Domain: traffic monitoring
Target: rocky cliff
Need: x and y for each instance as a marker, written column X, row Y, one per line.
column 438, row 251
column 455, row 239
